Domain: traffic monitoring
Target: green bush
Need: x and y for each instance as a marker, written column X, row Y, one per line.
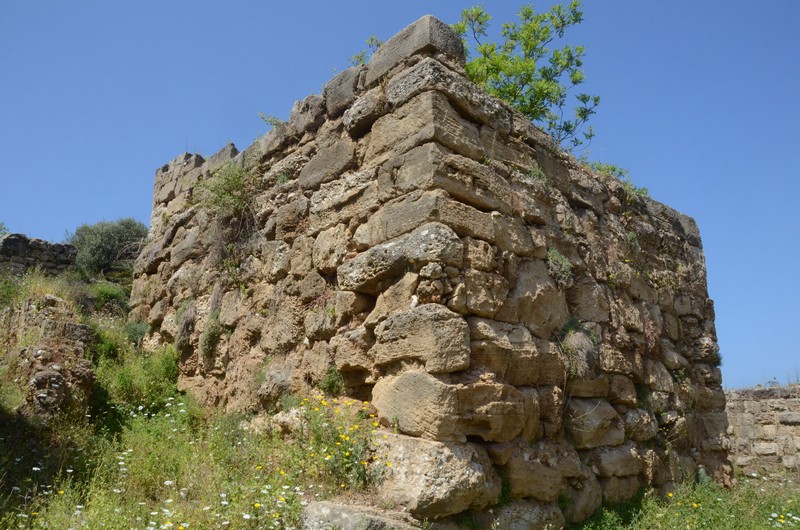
column 135, row 378
column 209, row 339
column 229, row 192
column 106, row 244
column 560, row 267
column 108, row 295
column 332, row 382
column 632, row 193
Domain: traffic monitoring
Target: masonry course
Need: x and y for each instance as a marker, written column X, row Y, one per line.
column 401, row 238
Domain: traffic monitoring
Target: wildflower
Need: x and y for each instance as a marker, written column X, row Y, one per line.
column 246, row 515
column 256, row 505
column 168, row 483
column 61, row 492
column 669, row 494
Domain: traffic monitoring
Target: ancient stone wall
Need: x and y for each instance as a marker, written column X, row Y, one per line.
column 521, row 325
column 19, row 253
column 765, row 428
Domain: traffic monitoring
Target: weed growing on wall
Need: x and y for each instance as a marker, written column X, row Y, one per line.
column 560, row 267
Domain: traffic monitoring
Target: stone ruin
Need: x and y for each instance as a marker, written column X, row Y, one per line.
column 521, row 325
column 19, row 254
column 765, row 429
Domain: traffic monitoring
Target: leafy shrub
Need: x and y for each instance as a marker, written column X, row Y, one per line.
column 560, row 267
column 632, row 192
column 209, row 339
column 108, row 295
column 229, row 192
column 139, row 378
column 332, row 382
column 3, row 229
column 526, row 72
column 106, row 244
column 537, row 173
column 136, row 332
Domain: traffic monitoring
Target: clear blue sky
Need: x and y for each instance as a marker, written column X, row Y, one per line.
column 699, row 100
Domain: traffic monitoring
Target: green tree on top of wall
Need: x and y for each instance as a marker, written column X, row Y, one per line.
column 526, row 72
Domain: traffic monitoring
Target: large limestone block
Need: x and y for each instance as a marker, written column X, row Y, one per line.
column 408, row 212
column 588, row 301
column 640, row 425
column 592, row 423
column 430, row 242
column 619, row 489
column 507, row 350
column 327, row 164
column 330, row 249
column 435, row 479
column 426, row 118
column 396, row 298
column 340, row 91
column 627, row 363
column 657, row 377
column 490, row 410
column 325, row 515
column 524, row 515
column 419, row 404
column 426, row 35
column 422, row 405
column 584, row 496
column 342, row 199
column 535, row 300
column 365, row 110
column 431, row 166
column 430, row 74
column 539, row 470
column 430, row 333
column 620, row 461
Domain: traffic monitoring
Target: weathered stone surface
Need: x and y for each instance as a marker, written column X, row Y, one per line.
column 619, row 489
column 619, row 461
column 346, row 197
column 325, row 515
column 426, row 118
column 430, row 333
column 330, row 249
column 327, row 164
column 393, row 209
column 435, row 479
column 365, row 110
column 340, row 92
column 307, row 115
column 431, row 167
column 524, row 515
column 430, row 242
column 397, row 297
column 289, row 218
column 585, row 496
column 592, row 423
column 411, row 210
column 421, row 405
column 426, row 35
column 19, row 253
column 536, row 300
column 640, row 425
column 484, row 292
column 429, row 74
column 504, row 349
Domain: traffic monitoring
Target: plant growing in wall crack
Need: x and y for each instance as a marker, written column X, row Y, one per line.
column 560, row 267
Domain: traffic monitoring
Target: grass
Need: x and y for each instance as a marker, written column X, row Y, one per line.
column 755, row 502
column 170, row 467
column 142, row 455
